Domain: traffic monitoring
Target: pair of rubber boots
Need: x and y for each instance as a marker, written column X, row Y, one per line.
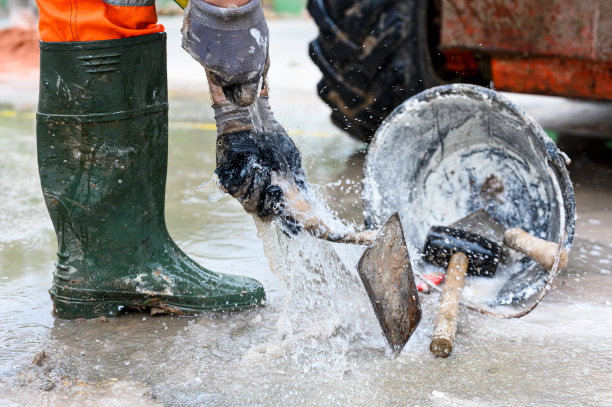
column 102, row 136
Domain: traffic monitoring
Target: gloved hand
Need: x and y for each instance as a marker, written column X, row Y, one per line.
column 260, row 166
column 257, row 162
column 231, row 43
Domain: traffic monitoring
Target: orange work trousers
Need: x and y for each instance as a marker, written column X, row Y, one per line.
column 93, row 20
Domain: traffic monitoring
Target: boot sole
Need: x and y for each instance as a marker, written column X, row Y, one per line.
column 89, row 307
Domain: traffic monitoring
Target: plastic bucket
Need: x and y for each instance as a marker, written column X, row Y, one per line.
column 451, row 150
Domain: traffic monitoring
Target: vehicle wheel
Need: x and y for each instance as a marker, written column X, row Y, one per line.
column 374, row 54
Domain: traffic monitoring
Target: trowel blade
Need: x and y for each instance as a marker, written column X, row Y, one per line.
column 386, row 273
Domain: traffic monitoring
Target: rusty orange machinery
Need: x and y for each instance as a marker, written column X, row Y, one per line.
column 551, row 47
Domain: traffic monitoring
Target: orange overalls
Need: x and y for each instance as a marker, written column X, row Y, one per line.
column 93, row 20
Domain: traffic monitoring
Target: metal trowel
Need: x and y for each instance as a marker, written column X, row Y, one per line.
column 386, row 273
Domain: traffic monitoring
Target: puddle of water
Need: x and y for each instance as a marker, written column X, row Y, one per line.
column 315, row 343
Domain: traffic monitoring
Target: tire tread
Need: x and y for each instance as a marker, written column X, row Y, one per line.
column 368, row 53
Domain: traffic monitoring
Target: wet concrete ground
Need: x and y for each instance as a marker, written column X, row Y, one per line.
column 561, row 354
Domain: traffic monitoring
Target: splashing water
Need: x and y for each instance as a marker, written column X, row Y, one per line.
column 326, row 310
column 214, row 177
column 216, row 196
column 325, row 307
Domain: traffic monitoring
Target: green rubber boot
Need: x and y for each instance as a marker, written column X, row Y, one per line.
column 102, row 134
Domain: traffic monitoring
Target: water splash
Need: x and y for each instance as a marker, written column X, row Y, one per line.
column 326, row 311
column 217, row 195
column 213, row 178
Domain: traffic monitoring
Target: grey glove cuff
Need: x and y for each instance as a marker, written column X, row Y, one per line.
column 266, row 111
column 227, row 19
column 231, row 43
column 231, row 118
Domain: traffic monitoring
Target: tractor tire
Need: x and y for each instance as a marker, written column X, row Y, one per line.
column 374, row 54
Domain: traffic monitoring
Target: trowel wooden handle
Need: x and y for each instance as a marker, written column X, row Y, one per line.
column 542, row 251
column 446, row 321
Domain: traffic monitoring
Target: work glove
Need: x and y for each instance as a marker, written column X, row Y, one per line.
column 260, row 166
column 257, row 161
column 231, row 43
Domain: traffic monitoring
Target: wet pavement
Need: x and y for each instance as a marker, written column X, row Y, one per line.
column 315, row 342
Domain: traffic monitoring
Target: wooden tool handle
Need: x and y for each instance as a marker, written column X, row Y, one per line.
column 298, row 208
column 446, row 321
column 542, row 251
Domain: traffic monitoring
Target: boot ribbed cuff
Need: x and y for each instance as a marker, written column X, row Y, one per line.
column 227, row 19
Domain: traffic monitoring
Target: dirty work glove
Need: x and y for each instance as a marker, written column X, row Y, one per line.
column 260, row 166
column 257, row 162
column 231, row 43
